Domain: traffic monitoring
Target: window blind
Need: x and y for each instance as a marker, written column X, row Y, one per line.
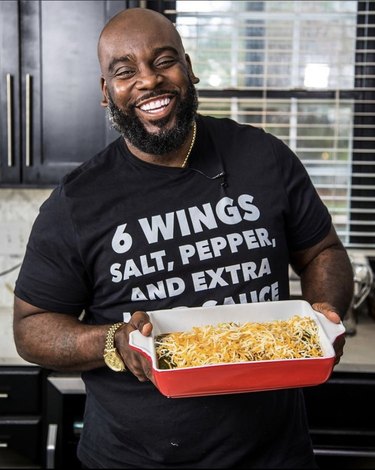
column 304, row 71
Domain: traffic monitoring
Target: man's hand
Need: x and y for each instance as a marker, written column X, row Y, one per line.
column 134, row 361
column 330, row 312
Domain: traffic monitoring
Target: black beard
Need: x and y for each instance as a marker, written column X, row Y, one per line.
column 130, row 127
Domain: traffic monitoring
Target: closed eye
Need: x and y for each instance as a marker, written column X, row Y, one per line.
column 124, row 72
column 165, row 62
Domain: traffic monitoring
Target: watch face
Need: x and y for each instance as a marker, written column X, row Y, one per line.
column 114, row 361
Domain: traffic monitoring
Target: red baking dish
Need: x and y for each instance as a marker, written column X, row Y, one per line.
column 238, row 377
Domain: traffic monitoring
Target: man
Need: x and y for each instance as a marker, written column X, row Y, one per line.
column 182, row 210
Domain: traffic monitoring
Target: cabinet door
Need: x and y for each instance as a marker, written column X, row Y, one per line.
column 9, row 93
column 62, row 120
column 20, row 390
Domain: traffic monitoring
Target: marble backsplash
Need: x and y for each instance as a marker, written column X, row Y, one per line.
column 18, row 209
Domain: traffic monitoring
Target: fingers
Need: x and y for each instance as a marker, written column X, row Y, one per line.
column 141, row 321
column 331, row 313
column 141, row 368
column 338, row 346
column 138, row 365
column 328, row 310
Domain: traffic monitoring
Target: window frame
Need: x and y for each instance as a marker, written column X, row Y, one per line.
column 361, row 221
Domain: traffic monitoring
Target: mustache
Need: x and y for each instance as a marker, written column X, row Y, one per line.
column 153, row 94
column 128, row 124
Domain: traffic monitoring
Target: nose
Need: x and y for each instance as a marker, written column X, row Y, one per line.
column 148, row 78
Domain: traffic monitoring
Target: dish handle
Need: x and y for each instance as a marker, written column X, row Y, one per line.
column 141, row 343
column 332, row 330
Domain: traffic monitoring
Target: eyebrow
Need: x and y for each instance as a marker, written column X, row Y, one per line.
column 127, row 58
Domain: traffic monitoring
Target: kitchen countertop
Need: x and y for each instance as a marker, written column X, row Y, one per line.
column 359, row 352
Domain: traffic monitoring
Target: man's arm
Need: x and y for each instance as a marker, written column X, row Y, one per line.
column 326, row 280
column 56, row 341
column 326, row 274
column 62, row 342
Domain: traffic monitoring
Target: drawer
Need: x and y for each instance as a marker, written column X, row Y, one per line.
column 20, row 390
column 345, row 401
column 21, row 436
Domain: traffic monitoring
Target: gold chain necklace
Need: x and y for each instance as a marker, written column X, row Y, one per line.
column 191, row 145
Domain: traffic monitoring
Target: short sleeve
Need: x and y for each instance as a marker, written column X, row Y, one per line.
column 52, row 274
column 307, row 218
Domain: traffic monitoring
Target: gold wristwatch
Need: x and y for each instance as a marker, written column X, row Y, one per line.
column 111, row 356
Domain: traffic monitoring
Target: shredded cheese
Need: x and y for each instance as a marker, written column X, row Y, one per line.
column 231, row 342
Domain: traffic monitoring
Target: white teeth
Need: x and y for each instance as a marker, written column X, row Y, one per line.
column 155, row 105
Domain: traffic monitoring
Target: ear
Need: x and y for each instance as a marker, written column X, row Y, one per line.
column 103, row 85
column 194, row 79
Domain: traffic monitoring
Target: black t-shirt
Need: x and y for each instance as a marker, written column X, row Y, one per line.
column 120, row 235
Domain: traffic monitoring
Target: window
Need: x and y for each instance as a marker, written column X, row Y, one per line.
column 304, row 71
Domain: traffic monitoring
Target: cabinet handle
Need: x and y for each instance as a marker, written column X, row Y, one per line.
column 51, row 445
column 3, row 445
column 4, row 395
column 28, row 120
column 10, row 118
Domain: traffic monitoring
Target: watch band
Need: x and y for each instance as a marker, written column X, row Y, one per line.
column 111, row 356
column 110, row 338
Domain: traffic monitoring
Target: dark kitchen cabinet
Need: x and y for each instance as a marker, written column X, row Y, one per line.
column 341, row 416
column 65, row 397
column 10, row 117
column 50, row 114
column 21, row 417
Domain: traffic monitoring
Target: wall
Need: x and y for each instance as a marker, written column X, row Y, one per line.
column 18, row 209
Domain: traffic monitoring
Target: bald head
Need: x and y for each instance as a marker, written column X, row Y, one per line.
column 135, row 25
column 147, row 82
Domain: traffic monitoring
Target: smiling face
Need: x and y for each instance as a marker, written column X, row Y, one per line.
column 147, row 80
